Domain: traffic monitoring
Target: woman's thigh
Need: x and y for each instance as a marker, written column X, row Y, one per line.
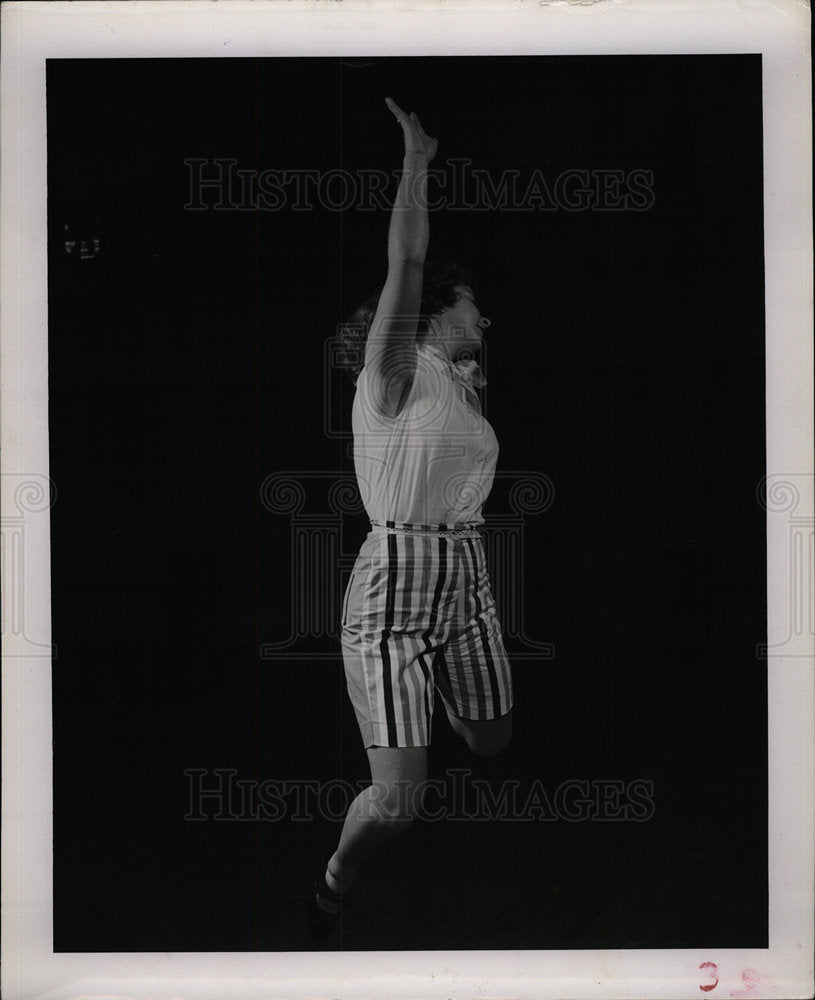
column 392, row 764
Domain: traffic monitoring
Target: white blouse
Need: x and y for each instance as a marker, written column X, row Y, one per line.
column 434, row 463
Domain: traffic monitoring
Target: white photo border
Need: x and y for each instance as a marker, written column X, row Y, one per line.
column 34, row 32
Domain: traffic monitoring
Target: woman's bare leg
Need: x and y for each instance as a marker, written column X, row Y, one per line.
column 381, row 811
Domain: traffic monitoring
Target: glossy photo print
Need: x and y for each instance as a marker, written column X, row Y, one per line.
column 426, row 552
column 581, row 586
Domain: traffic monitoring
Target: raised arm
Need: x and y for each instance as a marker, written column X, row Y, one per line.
column 390, row 351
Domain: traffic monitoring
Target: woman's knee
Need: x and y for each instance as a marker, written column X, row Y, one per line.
column 397, row 804
column 398, row 779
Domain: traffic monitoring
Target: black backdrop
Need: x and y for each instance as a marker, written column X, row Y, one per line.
column 188, row 366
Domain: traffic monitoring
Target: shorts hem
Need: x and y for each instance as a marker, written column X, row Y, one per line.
column 372, row 737
column 478, row 718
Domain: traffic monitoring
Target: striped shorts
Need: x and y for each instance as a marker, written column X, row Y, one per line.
column 419, row 615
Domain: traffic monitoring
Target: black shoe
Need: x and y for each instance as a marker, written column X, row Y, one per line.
column 321, row 922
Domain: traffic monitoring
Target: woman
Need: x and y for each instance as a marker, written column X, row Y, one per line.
column 418, row 614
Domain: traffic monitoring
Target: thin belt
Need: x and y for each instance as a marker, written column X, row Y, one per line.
column 468, row 529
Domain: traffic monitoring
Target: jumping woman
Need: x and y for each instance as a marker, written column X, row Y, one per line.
column 418, row 613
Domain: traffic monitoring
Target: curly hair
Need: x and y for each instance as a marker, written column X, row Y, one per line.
column 439, row 281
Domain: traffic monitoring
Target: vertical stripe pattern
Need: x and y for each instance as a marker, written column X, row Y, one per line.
column 419, row 616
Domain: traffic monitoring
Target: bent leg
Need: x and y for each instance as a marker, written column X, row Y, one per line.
column 485, row 738
column 472, row 669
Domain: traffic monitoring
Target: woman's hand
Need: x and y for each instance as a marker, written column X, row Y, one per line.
column 417, row 141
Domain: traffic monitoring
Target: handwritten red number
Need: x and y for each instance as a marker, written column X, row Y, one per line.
column 714, row 975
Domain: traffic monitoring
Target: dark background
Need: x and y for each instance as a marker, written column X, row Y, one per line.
column 625, row 363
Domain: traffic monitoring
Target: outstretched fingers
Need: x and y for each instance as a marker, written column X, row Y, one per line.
column 416, row 139
column 401, row 116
